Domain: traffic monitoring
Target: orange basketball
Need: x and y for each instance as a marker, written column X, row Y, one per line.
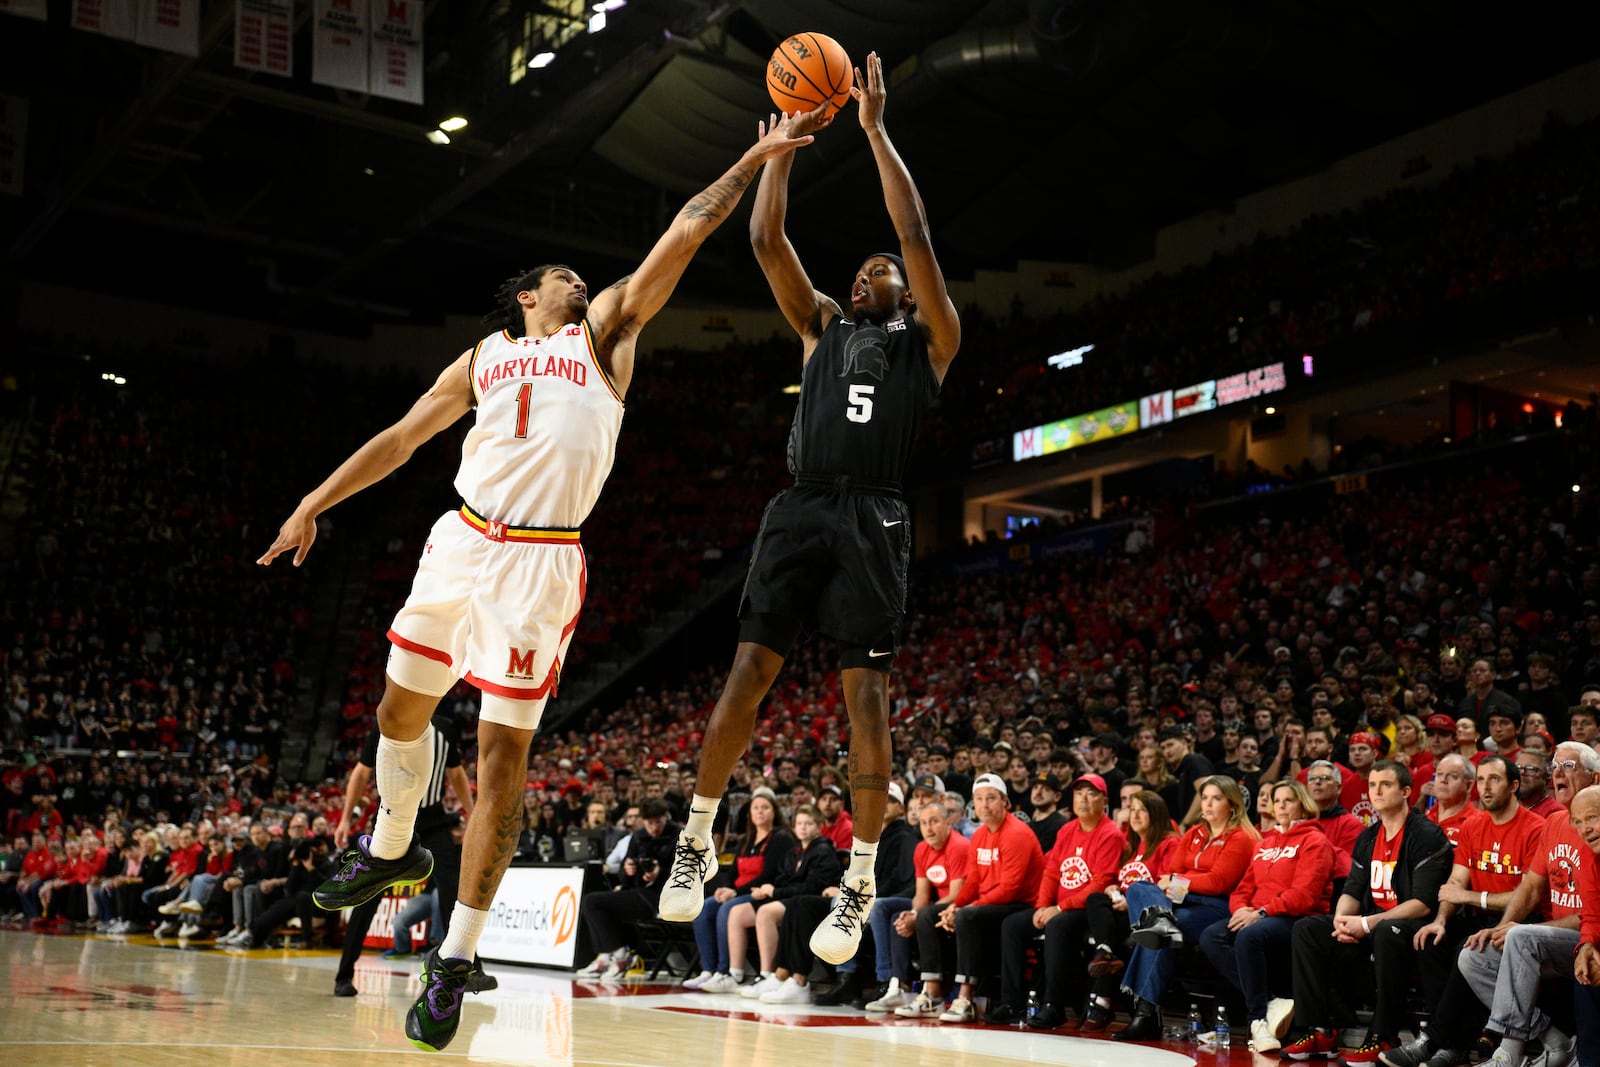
column 807, row 70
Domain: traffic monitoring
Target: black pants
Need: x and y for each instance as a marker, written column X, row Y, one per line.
column 977, row 934
column 1063, row 958
column 801, row 917
column 283, row 909
column 1327, row 972
column 1108, row 927
column 609, row 916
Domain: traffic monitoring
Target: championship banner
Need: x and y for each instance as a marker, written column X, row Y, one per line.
column 28, row 9
column 263, row 36
column 113, row 18
column 13, row 138
column 170, row 25
column 534, row 918
column 396, row 70
column 339, row 44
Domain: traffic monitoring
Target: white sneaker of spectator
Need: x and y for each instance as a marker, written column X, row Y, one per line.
column 756, row 990
column 789, row 991
column 893, row 997
column 698, row 980
column 622, row 961
column 169, row 908
column 1261, row 1038
column 721, row 983
column 189, row 929
column 595, row 966
column 191, row 907
column 923, row 1007
column 166, row 929
column 959, row 1011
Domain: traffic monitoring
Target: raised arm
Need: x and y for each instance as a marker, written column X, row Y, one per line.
column 807, row 310
column 619, row 312
column 440, row 407
column 935, row 311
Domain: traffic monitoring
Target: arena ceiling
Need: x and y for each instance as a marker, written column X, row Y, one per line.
column 1053, row 129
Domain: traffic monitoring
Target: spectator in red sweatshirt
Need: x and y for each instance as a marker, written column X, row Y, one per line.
column 1148, row 852
column 1083, row 862
column 1211, row 860
column 1586, row 961
column 1002, row 878
column 1287, row 878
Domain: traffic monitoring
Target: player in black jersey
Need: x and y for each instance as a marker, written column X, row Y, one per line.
column 833, row 550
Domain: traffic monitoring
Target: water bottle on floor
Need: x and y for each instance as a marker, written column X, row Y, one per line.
column 1221, row 1036
column 1194, row 1023
column 1033, row 1003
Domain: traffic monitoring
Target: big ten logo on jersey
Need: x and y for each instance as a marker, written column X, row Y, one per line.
column 520, row 663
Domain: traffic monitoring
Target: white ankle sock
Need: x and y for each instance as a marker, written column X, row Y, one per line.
column 702, row 814
column 863, row 857
column 466, row 926
column 403, row 771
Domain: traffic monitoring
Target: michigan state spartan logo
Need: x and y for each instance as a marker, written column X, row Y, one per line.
column 865, row 352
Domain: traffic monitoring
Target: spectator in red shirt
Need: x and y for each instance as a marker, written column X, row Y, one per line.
column 1007, row 864
column 1453, row 785
column 1586, row 962
column 1533, row 768
column 1490, row 858
column 941, row 861
column 1149, row 847
column 39, row 867
column 1287, row 878
column 1212, row 858
column 1083, row 863
column 837, row 826
column 1342, row 828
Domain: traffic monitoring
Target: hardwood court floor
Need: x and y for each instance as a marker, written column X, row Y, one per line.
column 89, row 1001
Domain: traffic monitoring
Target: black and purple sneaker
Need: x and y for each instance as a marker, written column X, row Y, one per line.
column 432, row 1020
column 362, row 876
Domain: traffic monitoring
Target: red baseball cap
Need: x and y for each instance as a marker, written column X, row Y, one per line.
column 1441, row 722
column 1092, row 780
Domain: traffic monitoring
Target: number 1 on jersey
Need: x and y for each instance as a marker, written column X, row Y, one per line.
column 524, row 399
column 860, row 409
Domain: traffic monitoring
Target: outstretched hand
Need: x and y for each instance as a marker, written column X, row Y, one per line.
column 870, row 93
column 776, row 136
column 297, row 532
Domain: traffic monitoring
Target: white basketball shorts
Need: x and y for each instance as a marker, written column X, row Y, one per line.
column 495, row 605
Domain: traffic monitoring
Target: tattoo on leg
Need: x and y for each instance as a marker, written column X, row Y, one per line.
column 872, row 782
column 507, row 830
column 855, row 764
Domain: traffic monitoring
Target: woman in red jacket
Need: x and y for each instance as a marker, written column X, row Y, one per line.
column 1146, row 856
column 1212, row 858
column 1287, row 879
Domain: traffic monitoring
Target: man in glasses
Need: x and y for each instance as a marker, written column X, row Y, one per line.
column 1534, row 769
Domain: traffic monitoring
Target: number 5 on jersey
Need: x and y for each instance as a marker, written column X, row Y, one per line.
column 860, row 409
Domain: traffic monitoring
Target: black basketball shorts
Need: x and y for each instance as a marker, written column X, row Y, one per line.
column 834, row 562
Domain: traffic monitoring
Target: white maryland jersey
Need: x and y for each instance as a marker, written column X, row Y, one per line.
column 546, row 431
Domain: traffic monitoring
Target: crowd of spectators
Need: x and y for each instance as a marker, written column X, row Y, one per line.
column 1333, row 286
column 1333, row 629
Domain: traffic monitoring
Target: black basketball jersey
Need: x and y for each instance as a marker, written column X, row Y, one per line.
column 863, row 394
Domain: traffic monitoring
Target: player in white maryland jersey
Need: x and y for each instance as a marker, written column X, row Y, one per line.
column 499, row 585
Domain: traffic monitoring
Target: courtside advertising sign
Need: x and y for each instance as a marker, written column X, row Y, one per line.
column 1077, row 431
column 534, row 917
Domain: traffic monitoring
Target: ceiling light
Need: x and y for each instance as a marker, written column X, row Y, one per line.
column 791, row 390
column 597, row 22
column 543, row 59
column 610, row 5
column 1272, row 411
column 438, row 137
column 453, row 123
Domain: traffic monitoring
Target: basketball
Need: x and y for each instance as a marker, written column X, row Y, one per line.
column 808, row 70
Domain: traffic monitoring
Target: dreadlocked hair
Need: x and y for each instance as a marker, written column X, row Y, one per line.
column 507, row 314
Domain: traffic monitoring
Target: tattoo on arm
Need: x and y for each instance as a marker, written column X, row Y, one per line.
column 507, row 830
column 716, row 201
column 620, row 282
